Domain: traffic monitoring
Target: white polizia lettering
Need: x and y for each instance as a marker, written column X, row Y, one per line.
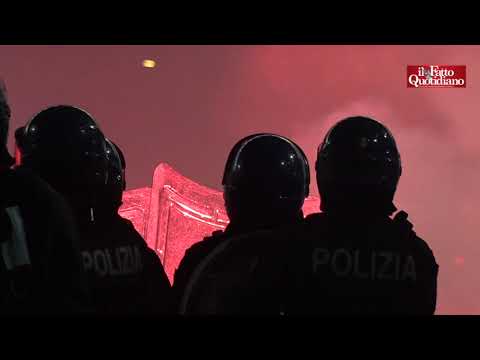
column 124, row 260
column 363, row 264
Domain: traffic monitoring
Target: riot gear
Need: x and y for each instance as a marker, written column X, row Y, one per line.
column 64, row 145
column 65, row 141
column 358, row 164
column 265, row 175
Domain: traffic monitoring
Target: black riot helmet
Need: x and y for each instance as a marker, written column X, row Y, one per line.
column 266, row 176
column 116, row 161
column 122, row 162
column 111, row 197
column 65, row 146
column 358, row 167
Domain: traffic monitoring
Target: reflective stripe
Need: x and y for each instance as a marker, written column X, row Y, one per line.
column 15, row 250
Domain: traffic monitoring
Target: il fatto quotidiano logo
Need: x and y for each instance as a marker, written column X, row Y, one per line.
column 436, row 76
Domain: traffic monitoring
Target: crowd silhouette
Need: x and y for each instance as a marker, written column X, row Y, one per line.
column 66, row 250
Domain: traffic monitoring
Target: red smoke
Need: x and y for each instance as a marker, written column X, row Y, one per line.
column 199, row 100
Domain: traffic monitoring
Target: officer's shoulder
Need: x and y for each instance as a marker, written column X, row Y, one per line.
column 127, row 228
column 29, row 182
column 28, row 188
column 206, row 243
column 422, row 246
column 403, row 225
column 314, row 220
column 25, row 175
column 216, row 233
column 124, row 222
column 22, row 180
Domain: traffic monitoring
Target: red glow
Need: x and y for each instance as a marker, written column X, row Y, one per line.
column 177, row 212
column 199, row 100
column 135, row 207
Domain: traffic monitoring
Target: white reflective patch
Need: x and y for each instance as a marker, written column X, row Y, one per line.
column 15, row 250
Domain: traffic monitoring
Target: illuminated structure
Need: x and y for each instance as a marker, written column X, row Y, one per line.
column 177, row 212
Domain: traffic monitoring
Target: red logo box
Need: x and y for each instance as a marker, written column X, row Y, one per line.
column 436, row 76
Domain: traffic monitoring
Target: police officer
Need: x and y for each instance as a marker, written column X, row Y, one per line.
column 353, row 258
column 266, row 180
column 125, row 274
column 40, row 267
column 65, row 146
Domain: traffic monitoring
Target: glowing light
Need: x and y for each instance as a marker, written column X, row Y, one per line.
column 148, row 63
column 177, row 212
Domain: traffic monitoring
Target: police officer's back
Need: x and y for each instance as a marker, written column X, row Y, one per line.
column 353, row 258
column 125, row 274
column 64, row 145
column 44, row 267
column 40, row 266
column 266, row 180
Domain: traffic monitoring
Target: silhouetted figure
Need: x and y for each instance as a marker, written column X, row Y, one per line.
column 266, row 181
column 125, row 274
column 40, row 267
column 65, row 146
column 351, row 259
